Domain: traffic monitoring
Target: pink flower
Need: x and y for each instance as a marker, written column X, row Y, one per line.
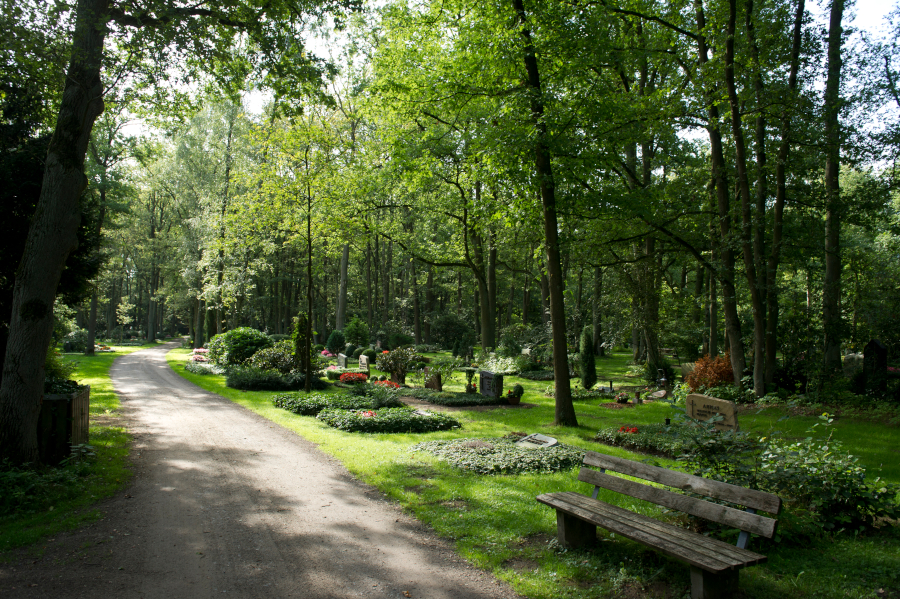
column 368, row 414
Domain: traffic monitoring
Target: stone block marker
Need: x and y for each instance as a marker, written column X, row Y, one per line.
column 364, row 363
column 703, row 407
column 342, row 361
column 491, row 384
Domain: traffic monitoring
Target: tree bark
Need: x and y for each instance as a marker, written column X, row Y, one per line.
column 341, row 315
column 831, row 292
column 565, row 411
column 51, row 237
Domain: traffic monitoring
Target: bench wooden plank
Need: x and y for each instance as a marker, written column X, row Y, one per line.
column 750, row 498
column 699, row 551
column 708, row 546
column 759, row 525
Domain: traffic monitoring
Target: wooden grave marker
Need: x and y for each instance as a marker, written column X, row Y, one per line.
column 703, row 407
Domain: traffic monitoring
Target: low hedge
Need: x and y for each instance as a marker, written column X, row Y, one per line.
column 386, row 420
column 312, row 404
column 451, row 399
column 253, row 379
column 502, row 456
column 648, row 438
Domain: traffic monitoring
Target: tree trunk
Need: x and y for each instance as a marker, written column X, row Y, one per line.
column 341, row 315
column 831, row 291
column 596, row 314
column 565, row 411
column 51, row 237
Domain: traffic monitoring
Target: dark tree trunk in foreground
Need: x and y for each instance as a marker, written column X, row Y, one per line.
column 831, row 297
column 565, row 411
column 52, row 236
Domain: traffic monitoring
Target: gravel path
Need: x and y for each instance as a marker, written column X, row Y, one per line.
column 227, row 504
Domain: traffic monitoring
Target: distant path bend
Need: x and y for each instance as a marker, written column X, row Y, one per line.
column 227, row 504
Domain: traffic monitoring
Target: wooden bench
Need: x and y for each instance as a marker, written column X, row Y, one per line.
column 714, row 564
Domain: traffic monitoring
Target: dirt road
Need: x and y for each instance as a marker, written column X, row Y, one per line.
column 227, row 504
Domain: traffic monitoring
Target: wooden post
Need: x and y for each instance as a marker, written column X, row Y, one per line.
column 573, row 532
column 713, row 585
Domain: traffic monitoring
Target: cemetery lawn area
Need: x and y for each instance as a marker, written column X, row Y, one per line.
column 70, row 506
column 497, row 524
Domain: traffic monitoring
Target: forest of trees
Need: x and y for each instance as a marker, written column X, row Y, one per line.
column 713, row 176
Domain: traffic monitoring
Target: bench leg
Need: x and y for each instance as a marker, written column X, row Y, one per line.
column 573, row 532
column 713, row 585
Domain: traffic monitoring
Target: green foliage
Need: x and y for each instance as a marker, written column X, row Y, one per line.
column 279, row 357
column 276, row 338
column 649, row 438
column 203, row 368
column 650, row 372
column 501, row 456
column 387, row 420
column 348, row 351
column 396, row 363
column 587, row 367
column 518, row 391
column 247, row 378
column 312, row 404
column 76, row 341
column 335, row 343
column 453, row 399
column 29, row 489
column 334, row 374
column 537, row 375
column 237, row 345
column 509, row 346
column 56, row 367
column 357, row 353
column 371, row 354
column 357, row 332
column 499, row 365
column 449, row 330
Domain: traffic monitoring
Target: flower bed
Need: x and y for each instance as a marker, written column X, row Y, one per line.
column 334, row 374
column 648, row 438
column 387, row 420
column 502, row 456
column 388, row 384
column 312, row 404
column 351, row 378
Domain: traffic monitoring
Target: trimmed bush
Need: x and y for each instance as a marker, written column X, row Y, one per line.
column 386, row 420
column 203, row 368
column 357, row 353
column 502, row 456
column 334, row 374
column 245, row 378
column 451, row 399
column 586, row 365
column 371, row 354
column 279, row 357
column 237, row 345
column 357, row 332
column 336, row 342
column 647, row 438
column 312, row 404
column 348, row 351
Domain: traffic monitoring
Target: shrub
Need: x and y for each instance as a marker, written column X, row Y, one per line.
column 278, row 337
column 499, row 365
column 651, row 370
column 335, row 343
column 387, row 420
column 312, row 404
column 710, row 372
column 357, row 353
column 357, row 332
column 648, row 438
column 279, row 357
column 502, row 456
column 396, row 363
column 55, row 367
column 509, row 347
column 586, row 364
column 371, row 354
column 203, row 368
column 76, row 341
column 253, row 379
column 537, row 375
column 449, row 329
column 351, row 378
column 452, row 399
column 237, row 345
column 348, row 351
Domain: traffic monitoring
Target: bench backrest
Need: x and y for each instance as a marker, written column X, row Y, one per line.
column 744, row 520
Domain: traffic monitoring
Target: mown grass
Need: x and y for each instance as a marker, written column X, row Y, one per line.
column 70, row 507
column 496, row 523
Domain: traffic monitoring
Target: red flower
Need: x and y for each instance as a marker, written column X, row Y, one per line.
column 368, row 414
column 353, row 377
column 628, row 429
column 390, row 384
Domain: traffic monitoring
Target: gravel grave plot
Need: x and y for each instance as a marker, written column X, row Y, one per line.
column 227, row 504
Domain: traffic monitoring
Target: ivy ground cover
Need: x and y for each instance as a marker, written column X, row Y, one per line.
column 497, row 525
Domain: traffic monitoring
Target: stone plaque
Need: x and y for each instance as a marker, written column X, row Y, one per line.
column 536, row 441
column 364, row 362
column 703, row 407
column 491, row 384
column 342, row 361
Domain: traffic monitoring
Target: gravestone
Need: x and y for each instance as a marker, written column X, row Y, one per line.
column 853, row 363
column 703, row 407
column 491, row 384
column 364, row 363
column 536, row 441
column 342, row 361
column 433, row 381
column 875, row 365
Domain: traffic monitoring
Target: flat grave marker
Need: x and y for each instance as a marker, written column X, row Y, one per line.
column 536, row 441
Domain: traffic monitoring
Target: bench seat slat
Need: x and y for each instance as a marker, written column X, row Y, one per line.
column 759, row 525
column 719, row 550
column 697, row 550
column 751, row 498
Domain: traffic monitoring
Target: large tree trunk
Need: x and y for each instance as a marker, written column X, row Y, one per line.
column 596, row 314
column 565, row 411
column 341, row 315
column 52, row 236
column 831, row 296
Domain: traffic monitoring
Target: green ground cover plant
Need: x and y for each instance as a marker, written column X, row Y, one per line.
column 452, row 398
column 502, row 456
column 387, row 420
column 496, row 524
column 647, row 438
column 312, row 404
column 38, row 502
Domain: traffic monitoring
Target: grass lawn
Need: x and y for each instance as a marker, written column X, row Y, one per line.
column 106, row 475
column 496, row 523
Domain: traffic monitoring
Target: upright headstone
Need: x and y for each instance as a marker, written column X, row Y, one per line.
column 342, row 361
column 703, row 407
column 433, row 381
column 875, row 365
column 491, row 384
column 364, row 362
